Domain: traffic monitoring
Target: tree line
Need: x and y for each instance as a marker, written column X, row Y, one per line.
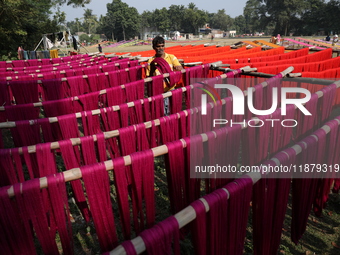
column 23, row 22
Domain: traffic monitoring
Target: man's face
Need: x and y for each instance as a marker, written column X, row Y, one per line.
column 159, row 48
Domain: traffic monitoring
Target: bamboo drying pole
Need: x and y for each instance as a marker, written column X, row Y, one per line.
column 149, row 79
column 79, row 61
column 10, row 78
column 294, row 77
column 10, row 124
column 107, row 134
column 75, row 173
column 75, row 98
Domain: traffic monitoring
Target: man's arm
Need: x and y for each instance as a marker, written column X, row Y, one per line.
column 176, row 65
column 178, row 68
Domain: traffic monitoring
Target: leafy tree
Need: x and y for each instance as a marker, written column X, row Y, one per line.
column 325, row 16
column 255, row 15
column 75, row 26
column 146, row 21
column 161, row 20
column 194, row 19
column 305, row 17
column 176, row 14
column 121, row 20
column 60, row 18
column 74, row 3
column 84, row 37
column 79, row 25
column 23, row 22
column 90, row 21
column 240, row 24
column 309, row 21
column 283, row 13
column 93, row 38
column 221, row 20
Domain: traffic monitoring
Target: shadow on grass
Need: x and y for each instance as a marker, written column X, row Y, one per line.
column 320, row 235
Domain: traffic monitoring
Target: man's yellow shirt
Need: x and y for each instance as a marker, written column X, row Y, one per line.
column 171, row 60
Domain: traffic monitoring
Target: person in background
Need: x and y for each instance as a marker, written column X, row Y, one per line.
column 328, row 38
column 278, row 39
column 160, row 63
column 335, row 40
column 100, row 49
column 74, row 42
column 273, row 39
column 20, row 53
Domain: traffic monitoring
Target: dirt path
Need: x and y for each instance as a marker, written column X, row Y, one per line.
column 222, row 42
column 216, row 41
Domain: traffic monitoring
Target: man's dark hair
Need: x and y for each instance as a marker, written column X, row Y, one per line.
column 157, row 40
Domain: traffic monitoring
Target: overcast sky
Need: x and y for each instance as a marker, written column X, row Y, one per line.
column 98, row 7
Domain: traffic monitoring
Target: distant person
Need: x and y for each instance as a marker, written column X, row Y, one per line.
column 74, row 42
column 100, row 48
column 20, row 53
column 328, row 38
column 335, row 40
column 278, row 39
column 274, row 40
column 212, row 37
